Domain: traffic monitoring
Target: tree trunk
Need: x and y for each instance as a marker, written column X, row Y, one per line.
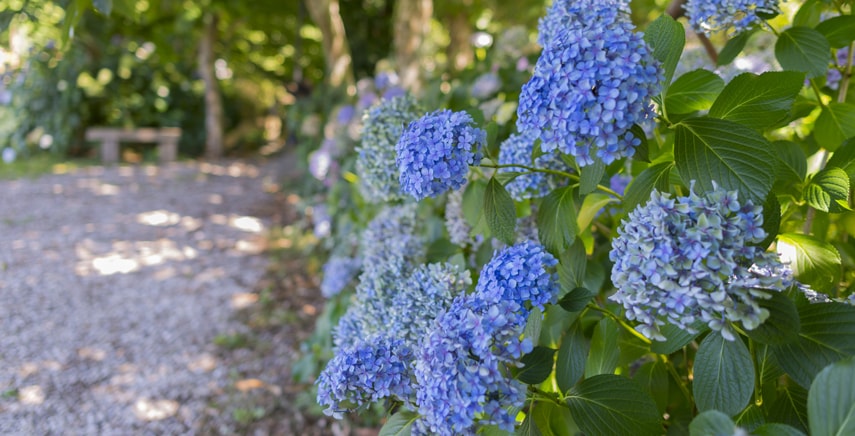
column 459, row 52
column 412, row 24
column 213, row 101
column 339, row 65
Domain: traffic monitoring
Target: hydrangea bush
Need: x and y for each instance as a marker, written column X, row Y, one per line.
column 664, row 246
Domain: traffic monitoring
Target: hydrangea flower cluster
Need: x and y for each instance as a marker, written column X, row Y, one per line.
column 518, row 150
column 711, row 16
column 435, row 151
column 834, row 74
column 693, row 258
column 391, row 242
column 592, row 83
column 375, row 162
column 369, row 370
column 460, row 369
column 337, row 274
column 455, row 223
column 565, row 13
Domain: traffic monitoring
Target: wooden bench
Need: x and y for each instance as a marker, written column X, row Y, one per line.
column 110, row 137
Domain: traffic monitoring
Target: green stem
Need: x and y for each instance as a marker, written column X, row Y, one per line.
column 570, row 176
column 621, row 322
column 818, row 93
column 680, row 383
column 758, row 381
column 549, row 396
column 771, row 28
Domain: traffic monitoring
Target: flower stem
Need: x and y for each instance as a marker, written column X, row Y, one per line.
column 758, row 377
column 620, row 322
column 570, row 176
column 676, row 376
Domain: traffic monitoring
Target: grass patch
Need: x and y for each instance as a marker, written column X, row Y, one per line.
column 234, row 341
column 39, row 165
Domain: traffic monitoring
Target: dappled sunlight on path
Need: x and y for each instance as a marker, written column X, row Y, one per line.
column 115, row 281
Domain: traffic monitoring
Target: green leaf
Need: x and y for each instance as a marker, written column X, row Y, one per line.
column 591, row 176
column 723, row 375
column 782, row 326
column 653, row 377
column 790, row 407
column 844, row 157
column 552, row 419
column 441, row 249
column 537, row 366
column 570, row 365
column 828, row 191
column 556, row 220
column 591, row 205
column 808, row 14
column 533, row 325
column 760, row 101
column 556, row 321
column 733, row 47
column 399, row 424
column 667, row 38
column 500, row 212
column 791, row 168
column 710, row 150
column 814, row 262
column 473, row 202
column 642, row 152
column 638, row 191
column 776, row 429
column 571, row 268
column 831, row 400
column 676, row 337
column 103, row 6
column 576, row 299
column 803, row 49
column 825, row 337
column 712, row 423
column 604, row 354
column 609, row 404
column 771, row 220
column 528, row 427
column 836, row 123
column 693, row 91
column 838, row 30
column 750, row 418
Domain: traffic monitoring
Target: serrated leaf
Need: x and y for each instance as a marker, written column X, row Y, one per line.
column 776, row 429
column 556, row 220
column 723, row 375
column 653, row 377
column 576, row 299
column 676, row 337
column 638, row 191
column 825, row 337
column 838, row 30
column 591, row 206
column 733, row 47
column 831, row 400
column 808, row 14
column 790, row 407
column 828, row 191
column 712, row 423
column 604, row 354
column 814, row 262
column 570, row 364
column 666, row 37
column 399, row 424
column 571, row 267
column 760, row 101
column 836, row 123
column 750, row 418
column 591, row 176
column 500, row 212
column 537, row 366
column 803, row 49
column 737, row 158
column 791, row 168
column 782, row 326
column 844, row 158
column 693, row 91
column 609, row 404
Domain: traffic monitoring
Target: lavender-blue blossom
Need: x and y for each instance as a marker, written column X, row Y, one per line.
column 369, row 370
column 392, row 241
column 695, row 258
column 435, row 151
column 338, row 273
column 834, row 74
column 518, row 149
column 593, row 81
column 574, row 13
column 375, row 161
column 735, row 16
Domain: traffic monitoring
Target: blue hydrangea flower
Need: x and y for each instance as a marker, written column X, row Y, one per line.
column 392, row 241
column 461, row 368
column 591, row 84
column 369, row 370
column 693, row 258
column 518, row 150
column 711, row 16
column 337, row 274
column 435, row 151
column 574, row 13
column 375, row 161
column 834, row 74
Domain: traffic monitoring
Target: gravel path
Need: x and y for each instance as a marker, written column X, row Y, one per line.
column 113, row 285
